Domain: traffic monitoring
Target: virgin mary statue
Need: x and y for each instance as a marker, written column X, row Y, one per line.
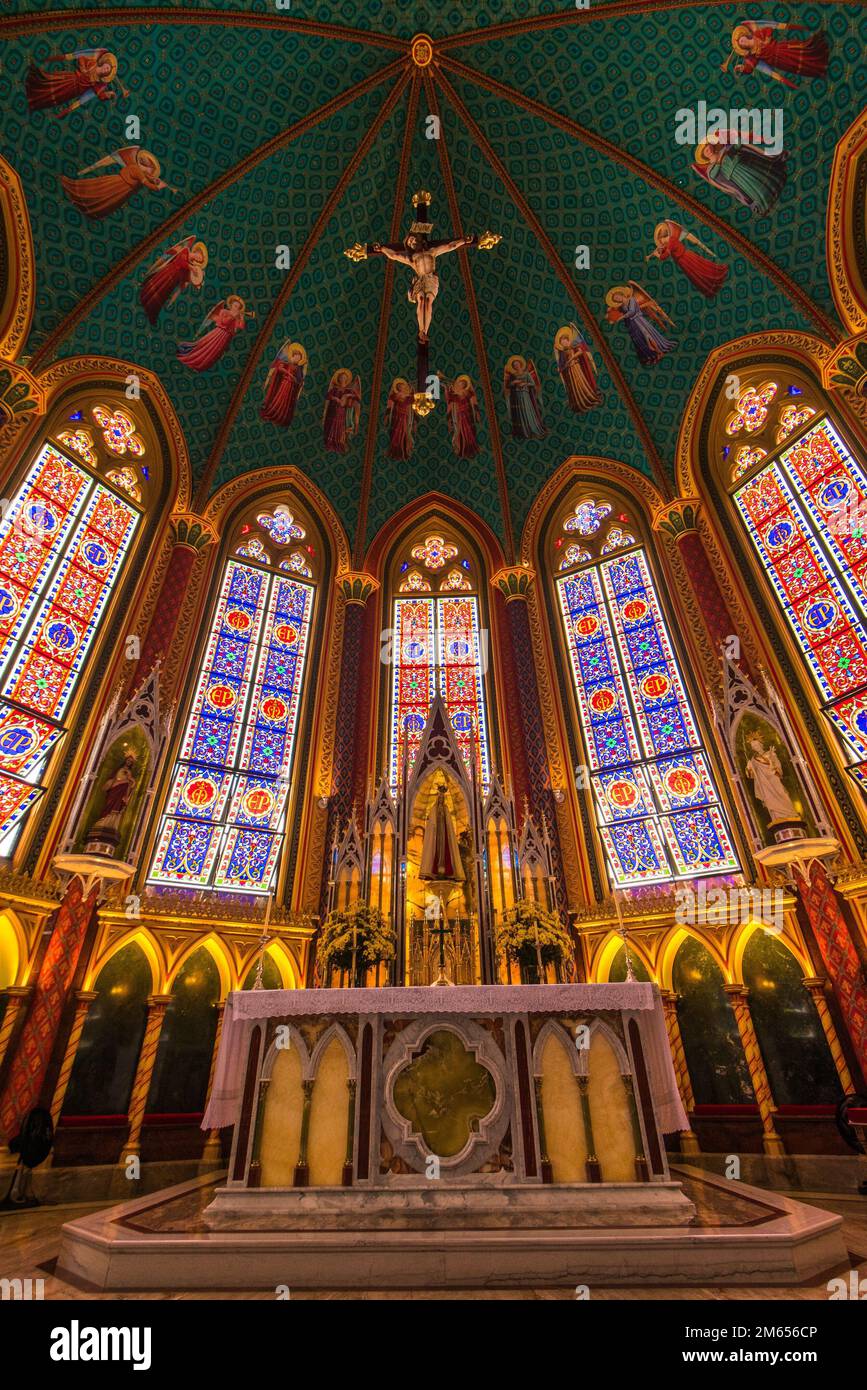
column 440, row 854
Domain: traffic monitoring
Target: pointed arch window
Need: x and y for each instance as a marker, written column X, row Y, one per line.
column 804, row 507
column 657, row 805
column 64, row 540
column 224, row 817
column 439, row 647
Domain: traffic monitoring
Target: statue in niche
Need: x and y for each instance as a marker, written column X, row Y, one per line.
column 110, row 811
column 766, row 774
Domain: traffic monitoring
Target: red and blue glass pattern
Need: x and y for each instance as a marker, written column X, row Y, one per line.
column 437, row 645
column 225, row 811
column 806, row 514
column 45, row 670
column 413, row 682
column 63, row 541
column 657, row 805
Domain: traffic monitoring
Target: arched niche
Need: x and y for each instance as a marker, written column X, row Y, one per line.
column 108, row 1051
column 11, row 953
column 792, row 1041
column 610, row 1108
column 618, row 967
column 714, row 1054
column 186, row 1045
column 328, row 1147
column 555, row 1062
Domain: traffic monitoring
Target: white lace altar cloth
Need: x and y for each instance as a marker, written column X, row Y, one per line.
column 243, row 1007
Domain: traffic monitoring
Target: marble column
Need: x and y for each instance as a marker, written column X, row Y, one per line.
column 771, row 1141
column 528, row 732
column 212, row 1153
column 824, row 919
column 816, row 988
column 54, row 981
column 157, row 1005
column 355, row 588
column 191, row 535
column 83, row 1000
column 16, row 997
column 689, row 1139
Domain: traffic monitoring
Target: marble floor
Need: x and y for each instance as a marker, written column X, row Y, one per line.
column 30, row 1243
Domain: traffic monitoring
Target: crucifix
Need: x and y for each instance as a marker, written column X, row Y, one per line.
column 420, row 253
column 441, row 929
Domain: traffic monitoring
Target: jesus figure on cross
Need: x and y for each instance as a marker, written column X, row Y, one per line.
column 420, row 253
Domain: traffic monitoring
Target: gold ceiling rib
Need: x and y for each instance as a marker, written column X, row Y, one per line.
column 564, row 19
column 593, row 327
column 736, row 239
column 219, row 185
column 196, row 18
column 265, row 333
column 478, row 336
column 373, row 417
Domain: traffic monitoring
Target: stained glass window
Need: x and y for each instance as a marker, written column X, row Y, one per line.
column 806, row 514
column 63, row 541
column 225, row 814
column 658, row 809
column 438, row 647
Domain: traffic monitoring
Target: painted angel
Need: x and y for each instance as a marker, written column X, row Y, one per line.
column 742, row 169
column 399, row 418
column 284, row 384
column 577, row 369
column 342, row 410
column 182, row 265
column 91, row 78
column 216, row 332
column 641, row 314
column 670, row 244
column 524, row 394
column 98, row 197
column 462, row 412
column 763, row 45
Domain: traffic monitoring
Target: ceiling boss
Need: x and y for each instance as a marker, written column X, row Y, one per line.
column 420, row 253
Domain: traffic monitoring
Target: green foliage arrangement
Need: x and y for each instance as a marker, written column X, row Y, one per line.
column 527, row 925
column 360, row 928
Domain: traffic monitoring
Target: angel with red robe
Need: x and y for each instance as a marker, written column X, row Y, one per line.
column 577, row 369
column 91, row 78
column 669, row 238
column 639, row 311
column 462, row 412
column 399, row 418
column 216, row 332
column 183, row 264
column 523, row 391
column 284, row 384
column 342, row 410
column 105, row 194
column 763, row 45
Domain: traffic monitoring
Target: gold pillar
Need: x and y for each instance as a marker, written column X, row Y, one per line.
column 771, row 1141
column 83, row 1000
column 211, row 1153
column 816, row 988
column 689, row 1139
column 157, row 1005
column 16, row 997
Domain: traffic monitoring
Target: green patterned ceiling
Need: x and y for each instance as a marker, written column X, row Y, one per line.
column 212, row 83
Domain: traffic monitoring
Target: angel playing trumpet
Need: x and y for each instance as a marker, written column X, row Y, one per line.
column 669, row 239
column 640, row 312
column 107, row 192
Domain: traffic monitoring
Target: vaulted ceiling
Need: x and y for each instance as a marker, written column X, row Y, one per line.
column 307, row 128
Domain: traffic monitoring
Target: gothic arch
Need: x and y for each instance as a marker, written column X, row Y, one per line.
column 846, row 250
column 16, row 305
column 671, row 944
column 553, row 1029
column 216, row 949
column 335, row 1031
column 150, row 948
column 273, row 1053
column 609, row 949
column 13, row 950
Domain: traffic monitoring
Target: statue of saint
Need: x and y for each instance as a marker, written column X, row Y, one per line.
column 766, row 773
column 116, row 797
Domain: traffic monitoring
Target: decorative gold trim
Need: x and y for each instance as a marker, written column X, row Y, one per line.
column 193, row 531
column 596, row 469
column 283, row 476
column 356, row 586
column 513, row 581
column 677, row 518
column 845, row 272
column 19, row 295
column 21, row 396
column 421, row 50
